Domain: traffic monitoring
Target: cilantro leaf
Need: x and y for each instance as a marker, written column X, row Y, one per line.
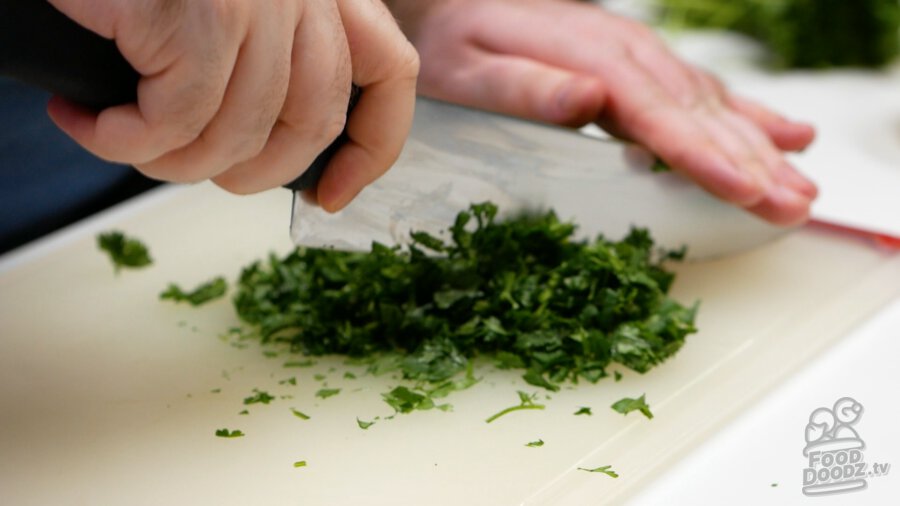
column 627, row 405
column 300, row 463
column 607, row 470
column 124, row 252
column 404, row 400
column 583, row 410
column 202, row 294
column 535, row 444
column 299, row 414
column 325, row 393
column 259, row 397
column 364, row 425
column 229, row 434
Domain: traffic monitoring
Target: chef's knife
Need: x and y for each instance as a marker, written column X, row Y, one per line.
column 456, row 156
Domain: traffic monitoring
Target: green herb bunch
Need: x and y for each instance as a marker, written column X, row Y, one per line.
column 520, row 291
column 802, row 33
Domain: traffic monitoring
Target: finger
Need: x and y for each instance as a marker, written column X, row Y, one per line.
column 648, row 114
column 782, row 172
column 786, row 134
column 252, row 103
column 385, row 66
column 783, row 206
column 522, row 87
column 314, row 109
column 780, row 202
column 184, row 75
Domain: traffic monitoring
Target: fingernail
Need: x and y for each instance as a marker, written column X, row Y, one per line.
column 796, row 181
column 787, row 198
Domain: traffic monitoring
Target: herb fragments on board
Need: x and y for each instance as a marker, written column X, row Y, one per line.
column 124, row 252
column 522, row 292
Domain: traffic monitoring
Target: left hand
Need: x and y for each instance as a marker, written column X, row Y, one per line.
column 570, row 63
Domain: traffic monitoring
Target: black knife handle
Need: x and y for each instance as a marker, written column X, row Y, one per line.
column 41, row 46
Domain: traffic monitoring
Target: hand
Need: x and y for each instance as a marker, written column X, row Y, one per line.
column 570, row 63
column 247, row 93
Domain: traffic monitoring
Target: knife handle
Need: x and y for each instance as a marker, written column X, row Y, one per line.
column 42, row 47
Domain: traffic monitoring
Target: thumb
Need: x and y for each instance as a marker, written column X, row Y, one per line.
column 523, row 87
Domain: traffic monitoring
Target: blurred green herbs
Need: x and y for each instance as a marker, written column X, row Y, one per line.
column 801, row 33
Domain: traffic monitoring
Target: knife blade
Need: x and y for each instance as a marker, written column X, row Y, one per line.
column 456, row 156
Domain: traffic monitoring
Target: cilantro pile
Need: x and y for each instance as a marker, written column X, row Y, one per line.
column 522, row 292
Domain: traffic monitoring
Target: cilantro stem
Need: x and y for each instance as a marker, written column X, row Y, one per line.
column 511, row 409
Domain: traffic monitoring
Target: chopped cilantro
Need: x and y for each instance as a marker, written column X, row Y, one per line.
column 602, row 469
column 535, row 444
column 299, row 414
column 290, row 381
column 364, row 425
column 259, row 397
column 349, row 375
column 215, row 391
column 325, row 393
column 520, row 291
column 404, row 400
column 300, row 463
column 229, row 434
column 583, row 410
column 244, row 412
column 319, row 377
column 204, row 293
column 124, row 252
column 627, row 405
column 526, row 401
column 617, row 375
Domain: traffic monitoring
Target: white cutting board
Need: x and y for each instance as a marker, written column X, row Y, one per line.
column 106, row 391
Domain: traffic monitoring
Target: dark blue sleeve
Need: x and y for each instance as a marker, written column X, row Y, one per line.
column 46, row 180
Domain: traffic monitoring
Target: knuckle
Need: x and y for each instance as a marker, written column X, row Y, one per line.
column 409, row 62
column 250, row 147
column 332, row 128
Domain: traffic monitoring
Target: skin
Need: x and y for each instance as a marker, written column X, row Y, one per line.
column 247, row 92
column 572, row 63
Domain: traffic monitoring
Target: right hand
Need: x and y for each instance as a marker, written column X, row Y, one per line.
column 247, row 93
